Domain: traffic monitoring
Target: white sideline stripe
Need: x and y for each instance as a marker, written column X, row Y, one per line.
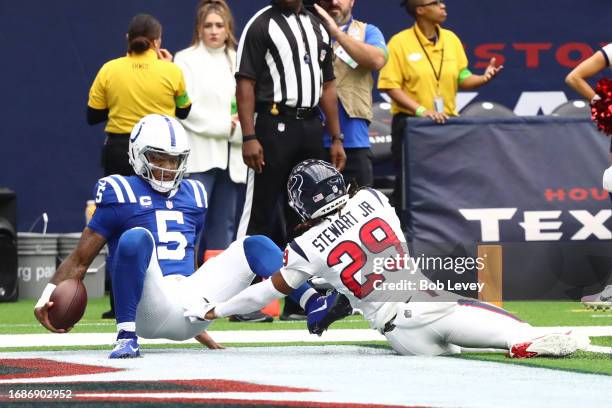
column 230, row 336
column 599, row 349
column 246, row 336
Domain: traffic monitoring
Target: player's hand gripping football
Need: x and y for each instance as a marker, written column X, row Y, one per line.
column 42, row 315
column 199, row 310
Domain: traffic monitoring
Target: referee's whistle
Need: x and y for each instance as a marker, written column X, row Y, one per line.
column 274, row 110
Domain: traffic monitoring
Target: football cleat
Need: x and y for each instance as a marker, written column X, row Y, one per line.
column 554, row 344
column 126, row 346
column 253, row 317
column 327, row 310
column 601, row 300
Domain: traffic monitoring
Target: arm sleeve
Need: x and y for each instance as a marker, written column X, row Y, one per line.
column 181, row 60
column 462, row 61
column 97, row 92
column 373, row 36
column 391, row 76
column 105, row 221
column 181, row 98
column 464, row 74
column 182, row 113
column 297, row 268
column 108, row 217
column 327, row 66
column 252, row 298
column 252, row 51
column 95, row 116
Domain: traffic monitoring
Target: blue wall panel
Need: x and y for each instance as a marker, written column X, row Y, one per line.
column 52, row 51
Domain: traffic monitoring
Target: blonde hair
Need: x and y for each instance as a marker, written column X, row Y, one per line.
column 219, row 7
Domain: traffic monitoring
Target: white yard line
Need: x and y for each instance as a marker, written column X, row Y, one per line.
column 238, row 336
column 230, row 336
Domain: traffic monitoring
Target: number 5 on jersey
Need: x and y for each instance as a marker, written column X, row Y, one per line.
column 176, row 238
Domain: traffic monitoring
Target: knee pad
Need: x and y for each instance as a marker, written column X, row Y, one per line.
column 262, row 254
column 134, row 242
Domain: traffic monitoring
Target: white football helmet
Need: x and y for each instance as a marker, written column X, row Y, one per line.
column 159, row 135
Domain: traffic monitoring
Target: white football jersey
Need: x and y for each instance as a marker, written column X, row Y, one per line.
column 341, row 250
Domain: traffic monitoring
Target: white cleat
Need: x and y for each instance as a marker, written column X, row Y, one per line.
column 555, row 344
column 601, row 300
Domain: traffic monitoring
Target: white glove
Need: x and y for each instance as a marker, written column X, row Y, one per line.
column 198, row 309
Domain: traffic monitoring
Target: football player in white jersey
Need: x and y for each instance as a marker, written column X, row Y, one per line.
column 150, row 222
column 345, row 231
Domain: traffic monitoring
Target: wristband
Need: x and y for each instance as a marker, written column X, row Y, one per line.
column 46, row 295
column 595, row 99
column 420, row 111
column 248, row 138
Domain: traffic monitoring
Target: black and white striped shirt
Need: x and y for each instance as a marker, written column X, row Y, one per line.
column 288, row 55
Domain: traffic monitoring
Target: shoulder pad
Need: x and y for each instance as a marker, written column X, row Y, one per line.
column 114, row 189
column 370, row 192
column 196, row 189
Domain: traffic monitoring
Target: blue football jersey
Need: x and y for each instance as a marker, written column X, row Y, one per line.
column 175, row 220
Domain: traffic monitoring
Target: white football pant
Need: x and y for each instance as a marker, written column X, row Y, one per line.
column 164, row 299
column 442, row 328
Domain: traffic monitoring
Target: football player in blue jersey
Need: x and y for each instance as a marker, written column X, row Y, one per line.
column 150, row 222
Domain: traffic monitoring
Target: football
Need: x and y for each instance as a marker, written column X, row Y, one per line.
column 69, row 301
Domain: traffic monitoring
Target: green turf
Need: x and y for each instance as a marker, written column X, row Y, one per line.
column 581, row 361
column 18, row 318
column 182, row 346
column 602, row 341
column 548, row 313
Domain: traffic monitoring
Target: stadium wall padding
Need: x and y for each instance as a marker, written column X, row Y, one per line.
column 532, row 185
column 53, row 50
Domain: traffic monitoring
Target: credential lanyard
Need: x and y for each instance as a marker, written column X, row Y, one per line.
column 345, row 29
column 438, row 74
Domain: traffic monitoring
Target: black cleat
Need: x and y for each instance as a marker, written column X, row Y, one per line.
column 253, row 317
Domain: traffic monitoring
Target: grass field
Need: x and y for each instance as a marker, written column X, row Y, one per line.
column 581, row 361
column 17, row 318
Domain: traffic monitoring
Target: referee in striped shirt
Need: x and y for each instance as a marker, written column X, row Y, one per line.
column 284, row 75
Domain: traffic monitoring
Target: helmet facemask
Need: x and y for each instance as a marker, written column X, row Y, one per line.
column 162, row 183
column 159, row 147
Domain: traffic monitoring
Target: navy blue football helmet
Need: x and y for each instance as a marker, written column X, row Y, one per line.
column 316, row 188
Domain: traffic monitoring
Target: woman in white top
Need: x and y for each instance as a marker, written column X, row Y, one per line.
column 213, row 127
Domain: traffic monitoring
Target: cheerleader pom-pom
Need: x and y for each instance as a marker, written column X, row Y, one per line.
column 601, row 110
